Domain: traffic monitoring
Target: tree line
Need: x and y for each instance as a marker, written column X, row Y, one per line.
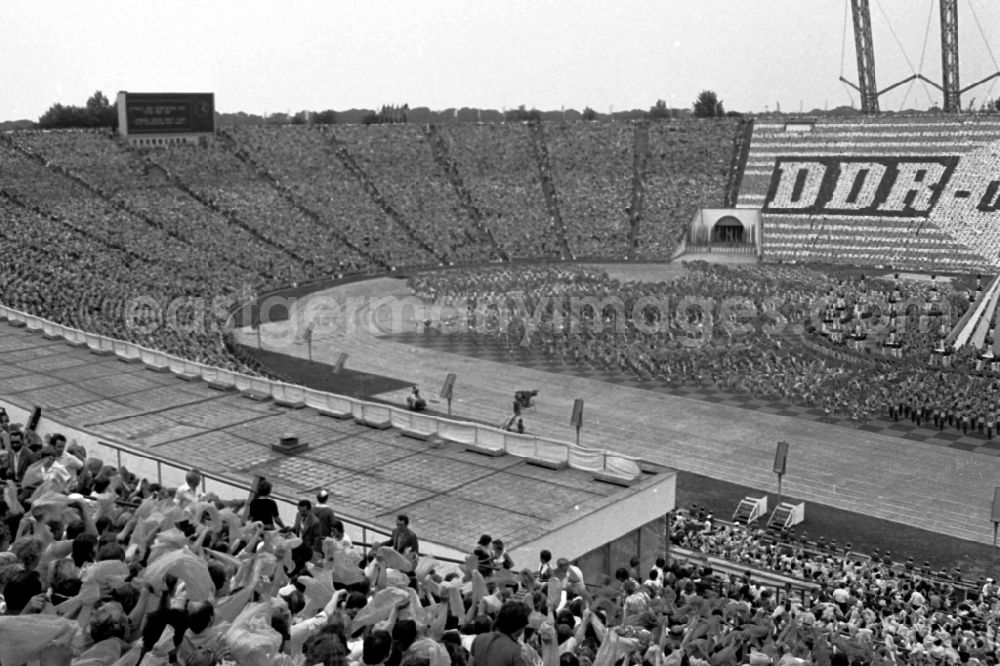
column 99, row 112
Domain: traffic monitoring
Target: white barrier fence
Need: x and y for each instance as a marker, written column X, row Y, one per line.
column 487, row 438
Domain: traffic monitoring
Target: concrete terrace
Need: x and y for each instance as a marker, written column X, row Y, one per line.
column 452, row 495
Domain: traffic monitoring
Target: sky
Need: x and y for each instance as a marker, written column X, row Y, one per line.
column 284, row 56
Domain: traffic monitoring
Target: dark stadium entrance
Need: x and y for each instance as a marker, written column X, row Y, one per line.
column 728, row 231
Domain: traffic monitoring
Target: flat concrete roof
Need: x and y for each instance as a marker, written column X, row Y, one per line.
column 451, row 495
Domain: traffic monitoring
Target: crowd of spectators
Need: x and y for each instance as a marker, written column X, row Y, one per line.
column 127, row 178
column 205, row 224
column 685, row 170
column 308, row 165
column 402, row 166
column 101, row 568
column 739, row 328
column 593, row 174
column 264, row 207
column 81, row 272
column 877, row 609
column 500, row 171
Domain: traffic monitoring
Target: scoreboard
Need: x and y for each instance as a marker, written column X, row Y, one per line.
column 166, row 113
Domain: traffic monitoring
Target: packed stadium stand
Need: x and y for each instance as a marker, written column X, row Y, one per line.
column 947, row 232
column 105, row 566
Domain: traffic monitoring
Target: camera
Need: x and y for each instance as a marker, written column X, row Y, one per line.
column 525, row 398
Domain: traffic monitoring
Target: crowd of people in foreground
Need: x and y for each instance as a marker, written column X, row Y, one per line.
column 99, row 568
column 764, row 330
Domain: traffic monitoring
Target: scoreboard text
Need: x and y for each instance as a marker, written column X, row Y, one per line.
column 170, row 113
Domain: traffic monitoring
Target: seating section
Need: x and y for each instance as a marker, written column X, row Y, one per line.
column 401, row 165
column 230, row 186
column 307, row 162
column 499, row 169
column 685, row 171
column 126, row 178
column 899, row 242
column 954, row 238
column 592, row 173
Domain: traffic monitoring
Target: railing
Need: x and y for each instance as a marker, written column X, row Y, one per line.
column 470, row 434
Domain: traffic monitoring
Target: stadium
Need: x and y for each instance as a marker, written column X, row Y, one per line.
column 738, row 375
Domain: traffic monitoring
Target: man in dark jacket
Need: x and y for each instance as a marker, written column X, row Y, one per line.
column 403, row 539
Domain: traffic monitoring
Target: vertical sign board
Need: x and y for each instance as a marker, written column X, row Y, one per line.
column 339, row 366
column 577, row 418
column 448, row 389
column 780, row 458
column 449, row 386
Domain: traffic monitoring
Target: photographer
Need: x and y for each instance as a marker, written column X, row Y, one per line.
column 415, row 402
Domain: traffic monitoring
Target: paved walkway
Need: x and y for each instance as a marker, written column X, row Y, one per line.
column 950, row 437
column 372, row 475
column 944, row 488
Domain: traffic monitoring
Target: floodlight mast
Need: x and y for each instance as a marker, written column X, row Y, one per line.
column 865, row 52
column 949, row 56
column 950, row 86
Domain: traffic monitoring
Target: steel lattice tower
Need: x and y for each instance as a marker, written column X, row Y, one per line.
column 949, row 56
column 866, row 55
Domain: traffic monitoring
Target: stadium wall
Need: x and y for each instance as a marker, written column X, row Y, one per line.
column 919, row 193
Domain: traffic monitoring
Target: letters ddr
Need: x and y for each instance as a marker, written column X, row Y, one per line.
column 893, row 186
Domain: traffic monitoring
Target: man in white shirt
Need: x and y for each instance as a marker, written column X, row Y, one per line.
column 190, row 492
column 48, row 472
column 67, row 460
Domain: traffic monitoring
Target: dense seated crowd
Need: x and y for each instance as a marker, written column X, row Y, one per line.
column 858, row 239
column 126, row 177
column 407, row 173
column 307, row 164
column 686, row 165
column 271, row 206
column 501, row 174
column 592, row 171
column 44, row 278
column 881, row 611
column 732, row 327
column 100, row 568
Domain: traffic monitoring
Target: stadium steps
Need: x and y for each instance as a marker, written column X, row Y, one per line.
column 975, row 329
column 341, row 152
column 640, row 162
column 242, row 154
column 746, row 512
column 444, row 160
column 741, row 151
column 99, row 193
column 16, row 201
column 543, row 162
column 229, row 215
column 964, row 330
column 781, row 517
column 986, row 323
